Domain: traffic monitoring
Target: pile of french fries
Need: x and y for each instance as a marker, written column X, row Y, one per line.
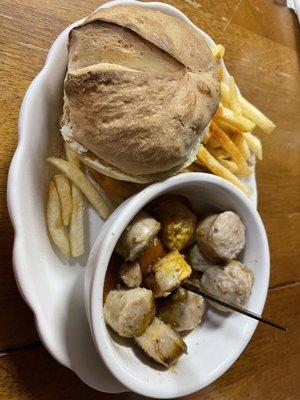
column 229, row 147
column 65, row 208
column 228, row 150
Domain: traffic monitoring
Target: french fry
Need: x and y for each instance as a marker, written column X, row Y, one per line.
column 220, row 136
column 238, row 121
column 54, row 222
column 234, row 104
column 77, row 217
column 255, row 115
column 254, row 144
column 241, row 143
column 218, row 51
column 84, row 184
column 206, row 136
column 77, row 223
column 65, row 197
column 205, row 158
column 218, row 153
column 250, row 111
column 225, row 98
column 71, row 155
column 212, row 143
column 230, row 165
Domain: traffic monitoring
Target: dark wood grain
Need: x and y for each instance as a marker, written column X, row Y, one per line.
column 262, row 51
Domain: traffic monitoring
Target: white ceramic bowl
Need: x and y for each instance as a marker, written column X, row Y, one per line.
column 214, row 345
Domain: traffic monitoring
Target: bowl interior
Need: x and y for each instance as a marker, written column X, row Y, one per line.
column 218, row 341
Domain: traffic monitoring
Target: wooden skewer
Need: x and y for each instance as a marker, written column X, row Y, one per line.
column 193, row 288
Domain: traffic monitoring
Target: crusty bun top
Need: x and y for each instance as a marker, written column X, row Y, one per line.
column 140, row 89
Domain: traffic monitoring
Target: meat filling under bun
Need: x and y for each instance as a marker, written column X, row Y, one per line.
column 140, row 89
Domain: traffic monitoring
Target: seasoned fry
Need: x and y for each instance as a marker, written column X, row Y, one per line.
column 83, row 183
column 219, row 135
column 77, row 223
column 254, row 143
column 64, row 193
column 54, row 222
column 250, row 111
column 238, row 121
column 253, row 113
column 233, row 97
column 225, row 98
column 218, row 51
column 205, row 158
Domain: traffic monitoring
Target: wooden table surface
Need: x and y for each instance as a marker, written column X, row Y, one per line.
column 262, row 44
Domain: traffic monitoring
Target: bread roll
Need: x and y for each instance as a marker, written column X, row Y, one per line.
column 140, row 89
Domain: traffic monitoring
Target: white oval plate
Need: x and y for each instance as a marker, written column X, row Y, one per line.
column 52, row 288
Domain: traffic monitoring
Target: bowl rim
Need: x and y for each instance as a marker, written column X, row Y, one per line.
column 105, row 248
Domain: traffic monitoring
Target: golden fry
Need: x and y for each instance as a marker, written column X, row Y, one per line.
column 254, row 143
column 241, row 143
column 71, row 155
column 225, row 98
column 212, row 143
column 206, row 136
column 250, row 111
column 84, row 184
column 230, row 165
column 218, row 153
column 77, row 223
column 54, row 222
column 64, row 193
column 233, row 97
column 219, row 135
column 255, row 115
column 205, row 158
column 238, row 121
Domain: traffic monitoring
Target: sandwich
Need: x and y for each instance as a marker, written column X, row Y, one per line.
column 140, row 90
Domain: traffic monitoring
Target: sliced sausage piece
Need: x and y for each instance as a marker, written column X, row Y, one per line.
column 178, row 223
column 129, row 311
column 138, row 234
column 183, row 311
column 131, row 274
column 168, row 273
column 198, row 260
column 222, row 236
column 233, row 283
column 161, row 343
